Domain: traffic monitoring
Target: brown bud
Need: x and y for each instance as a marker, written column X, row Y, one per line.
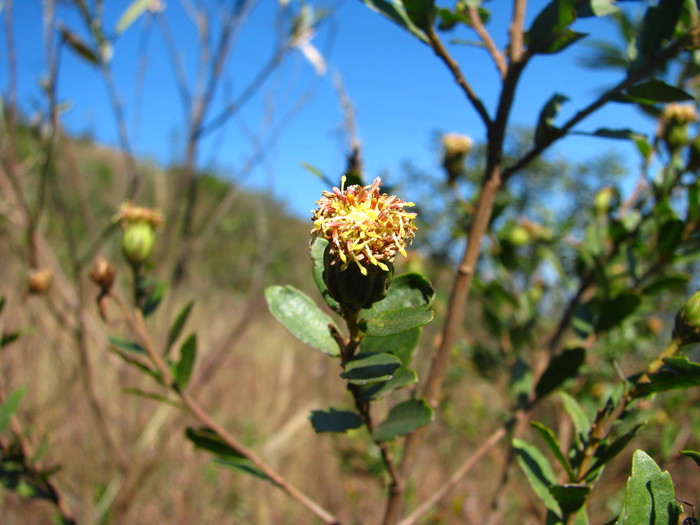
column 39, row 280
column 103, row 273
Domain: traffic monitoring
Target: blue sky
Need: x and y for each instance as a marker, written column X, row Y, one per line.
column 402, row 95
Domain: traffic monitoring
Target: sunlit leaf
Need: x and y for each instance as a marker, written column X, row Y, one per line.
column 676, row 374
column 554, row 446
column 407, row 290
column 538, row 472
column 392, row 322
column 135, row 10
column 394, row 10
column 692, row 454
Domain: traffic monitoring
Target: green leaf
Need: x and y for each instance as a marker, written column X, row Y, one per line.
column 317, row 249
column 241, row 464
column 613, row 311
column 618, row 134
column 421, row 12
column 135, row 10
column 124, row 344
column 2, row 303
column 152, row 396
column 670, row 235
column 8, row 338
column 80, row 47
column 553, row 444
column 408, row 290
column 658, row 26
column 184, row 367
column 332, row 420
column 391, row 322
column 154, row 298
column 666, row 284
column 550, row 31
column 580, row 419
column 370, row 368
column 394, row 10
column 562, row 367
column 9, row 407
column 178, row 325
column 403, row 377
column 403, row 419
column 606, row 453
column 300, row 315
column 401, row 345
column 692, row 454
column 133, row 361
column 570, row 497
column 655, row 91
column 545, row 124
column 210, row 441
column 678, row 373
column 597, row 8
column 538, row 472
column 649, row 496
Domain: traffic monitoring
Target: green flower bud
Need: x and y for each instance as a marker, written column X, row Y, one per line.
column 519, row 236
column 352, row 289
column 138, row 241
column 687, row 325
column 605, row 200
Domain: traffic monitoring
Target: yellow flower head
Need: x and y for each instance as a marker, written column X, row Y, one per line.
column 680, row 113
column 130, row 213
column 363, row 225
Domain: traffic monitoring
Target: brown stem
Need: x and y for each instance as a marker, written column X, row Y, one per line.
column 488, row 41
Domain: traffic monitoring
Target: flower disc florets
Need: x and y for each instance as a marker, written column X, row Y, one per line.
column 363, row 226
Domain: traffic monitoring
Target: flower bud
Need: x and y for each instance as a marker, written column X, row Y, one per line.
column 139, row 225
column 103, row 273
column 353, row 289
column 455, row 149
column 687, row 326
column 675, row 119
column 605, row 200
column 40, row 280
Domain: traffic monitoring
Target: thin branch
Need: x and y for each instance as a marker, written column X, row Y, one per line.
column 483, row 33
column 517, row 32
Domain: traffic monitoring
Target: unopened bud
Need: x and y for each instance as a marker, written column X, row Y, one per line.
column 675, row 119
column 40, row 280
column 455, row 149
column 139, row 225
column 605, row 200
column 687, row 326
column 103, row 273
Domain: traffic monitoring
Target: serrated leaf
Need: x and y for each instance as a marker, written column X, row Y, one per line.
column 545, row 123
column 570, row 497
column 657, row 91
column 178, row 325
column 332, row 420
column 370, row 368
column 408, row 290
column 538, row 472
column 184, row 367
column 554, row 446
column 403, row 419
column 394, row 10
column 9, row 407
column 649, row 495
column 135, row 10
column 391, row 322
column 301, row 317
column 562, row 367
column 80, row 47
column 692, row 454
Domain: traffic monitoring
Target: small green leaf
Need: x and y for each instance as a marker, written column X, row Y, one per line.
column 656, row 91
column 243, row 465
column 178, row 325
column 692, row 454
column 606, row 453
column 613, row 311
column 394, row 10
column 421, row 12
column 401, row 345
column 649, row 496
column 154, row 298
column 9, row 407
column 8, row 338
column 403, row 377
column 80, row 47
column 184, row 367
column 570, row 497
column 538, row 472
column 553, row 444
column 579, row 418
column 618, row 134
column 2, row 303
column 391, row 322
column 408, row 290
column 678, row 373
column 152, row 396
column 332, row 420
column 370, row 368
column 210, row 441
column 546, row 130
column 124, row 344
column 562, row 367
column 550, row 31
column 136, row 9
column 403, row 419
column 300, row 315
